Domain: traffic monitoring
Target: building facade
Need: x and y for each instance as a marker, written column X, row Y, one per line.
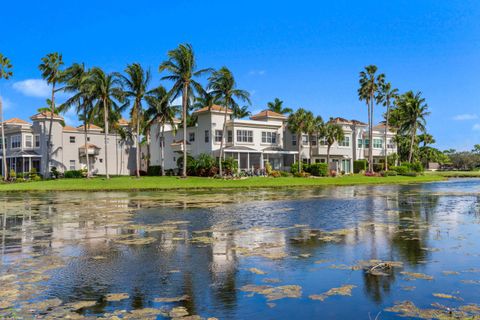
column 26, row 147
column 264, row 138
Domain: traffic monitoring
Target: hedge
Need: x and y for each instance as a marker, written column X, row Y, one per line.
column 359, row 165
column 318, row 169
column 154, row 171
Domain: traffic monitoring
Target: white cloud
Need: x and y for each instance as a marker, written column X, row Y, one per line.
column 33, row 88
column 465, row 116
column 257, row 72
column 476, row 127
column 6, row 103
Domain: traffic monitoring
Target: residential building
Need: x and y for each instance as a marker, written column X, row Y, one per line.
column 26, row 147
column 264, row 137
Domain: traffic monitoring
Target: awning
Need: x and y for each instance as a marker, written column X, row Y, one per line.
column 22, row 154
column 277, row 150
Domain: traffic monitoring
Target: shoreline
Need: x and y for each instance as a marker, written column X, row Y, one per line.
column 132, row 184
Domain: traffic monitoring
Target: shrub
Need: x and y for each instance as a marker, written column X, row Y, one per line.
column 294, row 168
column 275, row 173
column 377, row 167
column 73, row 174
column 268, row 168
column 285, row 174
column 411, row 174
column 12, row 174
column 20, row 175
column 33, row 174
column 37, row 178
column 302, row 174
column 389, row 173
column 406, row 164
column 318, row 169
column 230, row 165
column 370, row 174
column 401, row 170
column 359, row 166
column 154, row 171
column 416, row 166
column 54, row 173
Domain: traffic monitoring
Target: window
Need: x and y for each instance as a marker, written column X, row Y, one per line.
column 391, row 144
column 229, row 136
column 88, row 139
column 322, row 141
column 269, row 137
column 313, row 140
column 37, row 141
column 72, row 165
column 218, row 135
column 345, row 142
column 377, row 143
column 101, row 160
column 367, row 143
column 305, row 139
column 360, row 143
column 72, row 139
column 1, row 144
column 244, row 136
column 207, row 136
column 28, row 141
column 16, row 141
column 294, row 140
column 191, row 137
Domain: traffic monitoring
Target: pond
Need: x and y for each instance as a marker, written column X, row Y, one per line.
column 352, row 252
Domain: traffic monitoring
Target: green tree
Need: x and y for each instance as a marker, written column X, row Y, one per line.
column 182, row 69
column 107, row 91
column 5, row 73
column 297, row 124
column 386, row 95
column 413, row 111
column 310, row 130
column 135, row 86
column 160, row 111
column 277, row 106
column 476, row 149
column 426, row 139
column 51, row 72
column 241, row 112
column 76, row 79
column 223, row 86
column 332, row 132
column 369, row 84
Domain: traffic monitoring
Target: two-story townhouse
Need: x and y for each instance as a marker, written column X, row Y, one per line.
column 27, row 147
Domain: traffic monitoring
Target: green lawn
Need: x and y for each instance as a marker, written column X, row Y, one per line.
column 455, row 174
column 164, row 183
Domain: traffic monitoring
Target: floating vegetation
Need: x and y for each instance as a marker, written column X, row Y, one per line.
column 345, row 267
column 81, row 304
column 174, row 299
column 116, row 296
column 470, row 281
column 446, row 296
column 345, row 290
column 256, row 271
column 416, row 275
column 408, row 288
column 274, row 293
column 136, row 241
column 178, row 312
column 450, row 273
column 271, row 280
column 408, row 309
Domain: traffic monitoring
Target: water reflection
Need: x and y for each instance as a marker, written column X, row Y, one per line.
column 205, row 246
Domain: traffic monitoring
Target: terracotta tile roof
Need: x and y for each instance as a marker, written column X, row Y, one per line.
column 15, row 121
column 69, row 128
column 46, row 115
column 359, row 122
column 89, row 127
column 340, row 120
column 268, row 114
column 89, row 145
column 213, row 108
column 123, row 122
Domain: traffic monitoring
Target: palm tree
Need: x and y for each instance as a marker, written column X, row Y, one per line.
column 241, row 112
column 223, row 86
column 161, row 112
column 5, row 73
column 52, row 73
column 136, row 87
column 310, row 129
column 76, row 82
column 386, row 94
column 332, row 132
column 205, row 99
column 426, row 139
column 182, row 67
column 106, row 88
column 296, row 123
column 277, row 106
column 369, row 83
column 413, row 111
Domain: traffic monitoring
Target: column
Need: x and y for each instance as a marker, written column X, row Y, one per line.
column 29, row 164
column 248, row 160
column 261, row 161
column 238, row 160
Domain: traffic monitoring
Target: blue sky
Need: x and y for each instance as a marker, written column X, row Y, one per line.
column 307, row 53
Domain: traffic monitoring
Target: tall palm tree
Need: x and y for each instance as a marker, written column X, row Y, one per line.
column 51, row 72
column 332, row 132
column 277, row 106
column 310, row 130
column 413, row 111
column 136, row 88
column 223, row 86
column 241, row 112
column 205, row 99
column 76, row 79
column 182, row 69
column 161, row 112
column 426, row 139
column 106, row 88
column 369, row 83
column 386, row 95
column 297, row 123
column 5, row 73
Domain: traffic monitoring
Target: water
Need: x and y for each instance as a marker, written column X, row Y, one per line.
column 259, row 254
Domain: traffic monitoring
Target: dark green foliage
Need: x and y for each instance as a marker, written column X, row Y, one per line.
column 377, row 167
column 416, row 167
column 401, row 170
column 230, row 165
column 154, row 171
column 390, row 173
column 72, row 174
column 359, row 165
column 318, row 169
column 54, row 173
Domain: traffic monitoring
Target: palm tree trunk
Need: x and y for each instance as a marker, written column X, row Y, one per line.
column 137, row 142
column 49, row 140
column 370, row 147
column 105, row 134
column 412, row 141
column 116, row 152
column 4, row 153
column 221, row 142
column 328, row 158
column 386, row 131
column 310, row 149
column 162, row 151
column 85, row 135
column 299, row 141
column 184, row 114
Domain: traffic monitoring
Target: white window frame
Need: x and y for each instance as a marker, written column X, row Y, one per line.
column 377, row 144
column 27, row 138
column 345, row 143
column 294, row 139
column 72, row 165
column 218, row 135
column 18, row 142
column 245, row 136
column 207, row 136
column 269, row 137
column 70, row 138
column 36, row 141
column 305, row 139
column 360, row 143
column 191, row 137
